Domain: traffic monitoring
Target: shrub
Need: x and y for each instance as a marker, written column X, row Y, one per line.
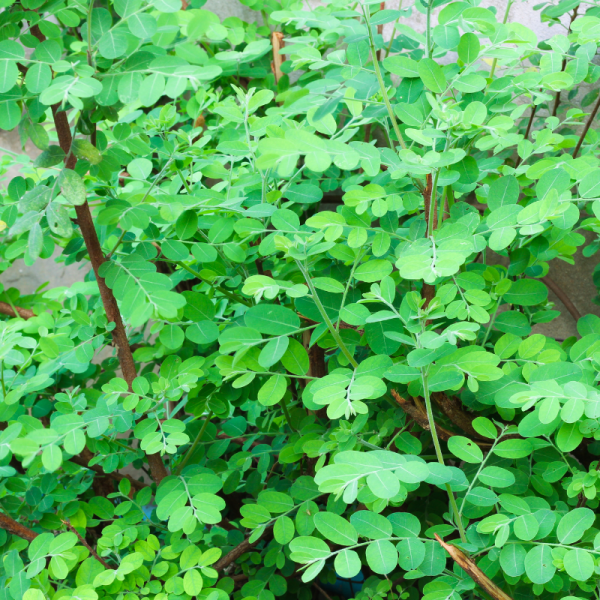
column 304, row 351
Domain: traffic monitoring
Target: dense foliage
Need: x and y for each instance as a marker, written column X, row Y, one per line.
column 301, row 247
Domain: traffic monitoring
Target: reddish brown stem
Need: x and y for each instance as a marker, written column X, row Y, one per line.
column 530, row 122
column 427, row 193
column 24, row 313
column 83, row 462
column 560, row 294
column 317, row 587
column 528, row 130
column 420, row 418
column 92, row 243
column 417, row 412
column 15, row 528
column 380, row 32
column 564, row 66
column 474, row 572
column 84, row 543
column 586, row 127
column 240, row 549
column 428, row 289
column 278, row 44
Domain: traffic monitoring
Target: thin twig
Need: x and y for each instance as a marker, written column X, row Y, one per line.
column 451, row 407
column 278, row 44
column 528, row 130
column 419, row 417
column 562, row 296
column 586, row 127
column 564, row 65
column 418, row 414
column 82, row 462
column 475, row 573
column 317, row 586
column 24, row 313
column 97, row 258
column 240, row 549
column 9, row 524
column 84, row 543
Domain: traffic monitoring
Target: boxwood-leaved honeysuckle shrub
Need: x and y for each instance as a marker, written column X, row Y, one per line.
column 304, row 351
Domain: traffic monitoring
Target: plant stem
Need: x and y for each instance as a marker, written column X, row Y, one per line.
column 347, row 288
column 586, row 127
column 286, row 414
column 434, row 221
column 443, row 204
column 440, row 456
column 495, row 61
column 528, row 129
column 428, row 31
column 335, row 334
column 189, row 453
column 185, row 183
column 386, row 100
column 115, row 247
column 223, row 291
column 97, row 258
column 90, row 60
column 489, row 328
column 388, row 49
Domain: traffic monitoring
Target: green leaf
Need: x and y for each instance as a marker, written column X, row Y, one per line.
column 295, row 358
column 569, row 437
column 526, row 527
column 113, row 43
column 10, row 116
column 371, row 525
column 73, row 187
column 432, row 75
column 579, row 564
column 204, row 332
column 273, row 390
column 52, row 458
column 347, row 564
column 382, row 557
column 574, row 524
column 272, row 319
column 304, row 193
column 496, row 477
column 8, row 75
column 38, row 77
column 527, row 292
column 504, row 191
column 306, row 549
column 192, row 582
column 172, row 336
column 86, row 151
column 411, row 553
column 465, row 449
column 336, row 529
column 538, row 564
column 273, row 351
column 383, row 484
column 468, row 48
column 513, row 449
column 373, row 270
column 405, row 524
column 283, row 530
column 401, row 66
column 435, row 559
column 484, row 427
column 512, row 559
column 54, row 155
